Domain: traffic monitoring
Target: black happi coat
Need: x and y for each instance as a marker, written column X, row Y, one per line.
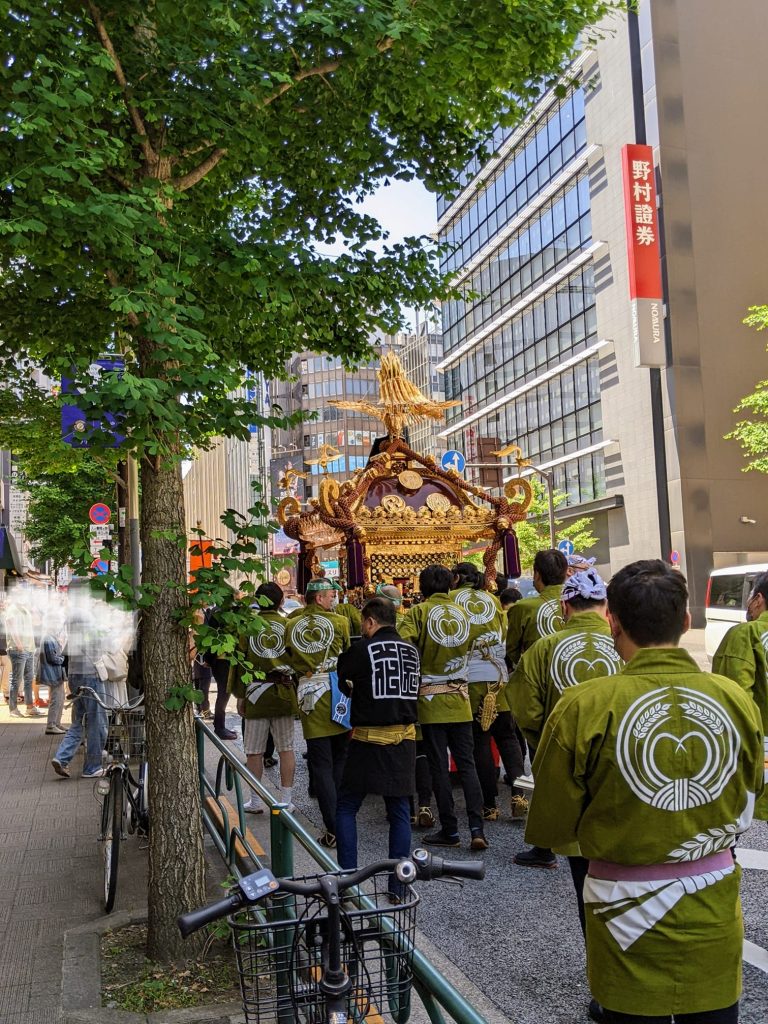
column 384, row 675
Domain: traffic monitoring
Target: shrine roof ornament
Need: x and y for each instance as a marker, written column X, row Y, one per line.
column 400, row 401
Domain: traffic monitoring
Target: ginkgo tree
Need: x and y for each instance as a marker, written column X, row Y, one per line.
column 171, row 173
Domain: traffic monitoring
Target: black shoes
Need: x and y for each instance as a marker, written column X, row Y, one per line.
column 595, row 1011
column 227, row 734
column 536, row 857
column 440, row 838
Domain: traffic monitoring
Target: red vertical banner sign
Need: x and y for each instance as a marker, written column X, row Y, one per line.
column 643, row 255
column 200, row 556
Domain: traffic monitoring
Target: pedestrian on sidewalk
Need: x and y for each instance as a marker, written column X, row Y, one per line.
column 5, row 661
column 21, row 650
column 84, row 648
column 52, row 675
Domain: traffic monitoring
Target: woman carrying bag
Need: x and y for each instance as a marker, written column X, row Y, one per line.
column 52, row 675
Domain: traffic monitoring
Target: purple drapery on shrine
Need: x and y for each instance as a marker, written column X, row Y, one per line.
column 303, row 575
column 355, row 566
column 511, row 555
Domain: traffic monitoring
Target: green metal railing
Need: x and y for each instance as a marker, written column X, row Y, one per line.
column 436, row 993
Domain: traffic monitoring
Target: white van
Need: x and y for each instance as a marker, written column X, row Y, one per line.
column 727, row 593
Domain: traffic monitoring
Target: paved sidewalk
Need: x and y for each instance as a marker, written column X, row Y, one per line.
column 51, row 868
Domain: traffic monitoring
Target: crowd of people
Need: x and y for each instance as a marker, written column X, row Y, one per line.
column 647, row 769
column 51, row 644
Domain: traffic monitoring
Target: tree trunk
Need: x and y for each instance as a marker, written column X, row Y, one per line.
column 176, row 860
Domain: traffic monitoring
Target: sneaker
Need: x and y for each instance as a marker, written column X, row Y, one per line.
column 15, row 713
column 40, row 703
column 95, row 774
column 270, row 762
column 227, row 734
column 54, row 730
column 519, row 807
column 490, row 814
column 253, row 806
column 425, row 818
column 478, row 840
column 440, row 838
column 328, row 840
column 536, row 857
column 60, row 769
column 33, row 712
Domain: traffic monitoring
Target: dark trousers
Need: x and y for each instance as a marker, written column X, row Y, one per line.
column 456, row 737
column 579, row 867
column 423, row 776
column 503, row 732
column 398, row 816
column 728, row 1015
column 326, row 756
column 221, row 675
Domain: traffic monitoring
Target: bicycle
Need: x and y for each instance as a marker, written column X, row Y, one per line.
column 125, row 808
column 309, row 949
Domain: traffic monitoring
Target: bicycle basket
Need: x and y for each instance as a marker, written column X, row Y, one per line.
column 126, row 734
column 281, row 945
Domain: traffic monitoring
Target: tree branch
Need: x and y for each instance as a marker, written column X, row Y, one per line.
column 146, row 146
column 321, row 69
column 197, row 173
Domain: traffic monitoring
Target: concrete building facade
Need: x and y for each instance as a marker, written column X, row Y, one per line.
column 545, row 356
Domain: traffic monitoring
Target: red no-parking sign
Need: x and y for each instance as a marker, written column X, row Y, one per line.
column 99, row 513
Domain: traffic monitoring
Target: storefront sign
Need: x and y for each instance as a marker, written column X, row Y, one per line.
column 643, row 255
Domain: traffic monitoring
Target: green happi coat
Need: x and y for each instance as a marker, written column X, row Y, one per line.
column 351, row 613
column 581, row 650
column 314, row 640
column 662, row 766
column 531, row 618
column 441, row 630
column 743, row 657
column 265, row 652
column 488, row 630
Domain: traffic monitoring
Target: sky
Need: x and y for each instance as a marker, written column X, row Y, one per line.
column 402, row 208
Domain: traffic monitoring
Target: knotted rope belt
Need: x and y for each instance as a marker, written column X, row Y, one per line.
column 384, row 735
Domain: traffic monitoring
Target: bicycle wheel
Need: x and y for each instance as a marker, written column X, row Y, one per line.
column 143, row 799
column 112, row 815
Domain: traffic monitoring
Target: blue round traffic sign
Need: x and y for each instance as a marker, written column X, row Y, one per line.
column 100, row 514
column 100, row 566
column 566, row 546
column 453, row 460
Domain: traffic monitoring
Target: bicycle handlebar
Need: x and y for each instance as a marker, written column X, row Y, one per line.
column 421, row 865
column 88, row 691
column 197, row 919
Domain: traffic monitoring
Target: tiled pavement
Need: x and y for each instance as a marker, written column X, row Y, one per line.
column 51, row 869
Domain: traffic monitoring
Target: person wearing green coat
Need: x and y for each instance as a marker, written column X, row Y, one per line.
column 538, row 616
column 743, row 657
column 583, row 649
column 487, row 678
column 441, row 630
column 314, row 640
column 350, row 612
column 655, row 775
column 267, row 700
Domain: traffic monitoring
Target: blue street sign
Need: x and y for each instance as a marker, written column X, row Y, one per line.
column 76, row 430
column 100, row 514
column 566, row 546
column 100, row 566
column 453, row 460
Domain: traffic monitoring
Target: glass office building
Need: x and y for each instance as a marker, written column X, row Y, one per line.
column 522, row 349
column 540, row 348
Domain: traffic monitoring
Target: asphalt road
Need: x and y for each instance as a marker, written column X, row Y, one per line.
column 516, row 934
